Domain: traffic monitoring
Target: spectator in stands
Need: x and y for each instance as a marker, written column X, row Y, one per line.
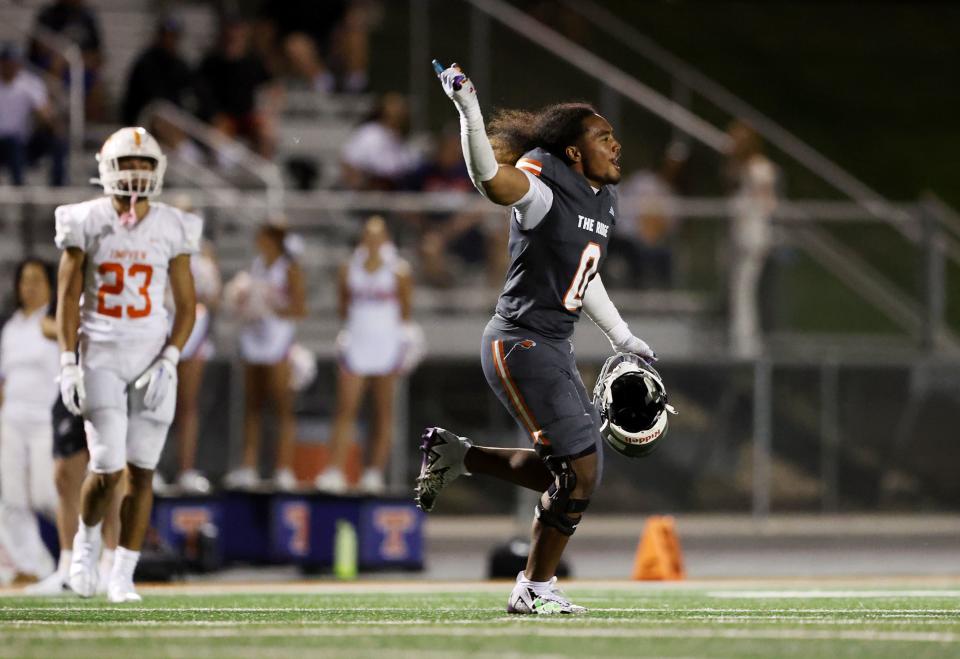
column 269, row 299
column 647, row 223
column 28, row 126
column 159, row 72
column 377, row 155
column 73, row 20
column 305, row 67
column 230, row 78
column 339, row 32
column 752, row 179
column 28, row 369
column 443, row 235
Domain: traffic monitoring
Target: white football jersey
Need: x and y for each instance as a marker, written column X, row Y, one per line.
column 125, row 273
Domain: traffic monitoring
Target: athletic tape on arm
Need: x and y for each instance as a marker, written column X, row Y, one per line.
column 477, row 152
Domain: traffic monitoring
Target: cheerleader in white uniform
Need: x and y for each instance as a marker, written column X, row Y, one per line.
column 29, row 363
column 375, row 293
column 274, row 301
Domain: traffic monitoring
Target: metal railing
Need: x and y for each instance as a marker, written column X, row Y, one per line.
column 261, row 169
column 819, row 244
column 328, row 219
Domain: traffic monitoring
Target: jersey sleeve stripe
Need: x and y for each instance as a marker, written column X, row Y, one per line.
column 523, row 412
column 530, row 165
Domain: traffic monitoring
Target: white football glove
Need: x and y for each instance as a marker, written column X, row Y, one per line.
column 160, row 379
column 71, row 383
column 464, row 98
column 623, row 340
column 477, row 153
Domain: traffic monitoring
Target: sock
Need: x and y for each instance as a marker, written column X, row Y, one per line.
column 536, row 585
column 63, row 564
column 106, row 563
column 124, row 564
column 88, row 533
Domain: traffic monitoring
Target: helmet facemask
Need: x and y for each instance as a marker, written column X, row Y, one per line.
column 131, row 182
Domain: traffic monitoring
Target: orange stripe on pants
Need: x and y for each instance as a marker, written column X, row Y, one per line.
column 526, row 416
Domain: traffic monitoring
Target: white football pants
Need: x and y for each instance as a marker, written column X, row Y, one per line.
column 120, row 429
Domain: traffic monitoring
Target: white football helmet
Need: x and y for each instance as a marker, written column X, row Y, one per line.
column 130, row 142
column 632, row 402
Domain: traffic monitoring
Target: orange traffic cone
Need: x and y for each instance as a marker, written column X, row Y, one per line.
column 658, row 553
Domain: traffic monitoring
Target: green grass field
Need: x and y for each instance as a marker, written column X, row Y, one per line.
column 449, row 620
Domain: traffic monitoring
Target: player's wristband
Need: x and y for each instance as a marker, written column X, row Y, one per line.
column 172, row 354
column 68, row 358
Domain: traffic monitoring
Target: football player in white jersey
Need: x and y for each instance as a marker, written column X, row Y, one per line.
column 119, row 252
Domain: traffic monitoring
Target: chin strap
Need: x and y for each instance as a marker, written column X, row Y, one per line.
column 129, row 217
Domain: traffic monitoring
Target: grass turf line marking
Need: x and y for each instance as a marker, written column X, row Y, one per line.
column 816, row 594
column 679, row 613
column 565, row 632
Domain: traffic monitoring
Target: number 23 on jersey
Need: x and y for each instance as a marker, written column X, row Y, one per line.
column 113, row 285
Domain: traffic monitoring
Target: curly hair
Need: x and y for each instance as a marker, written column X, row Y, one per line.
column 553, row 128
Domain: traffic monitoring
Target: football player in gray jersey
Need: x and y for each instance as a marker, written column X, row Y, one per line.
column 555, row 168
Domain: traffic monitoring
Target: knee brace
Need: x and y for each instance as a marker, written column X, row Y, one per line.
column 561, row 506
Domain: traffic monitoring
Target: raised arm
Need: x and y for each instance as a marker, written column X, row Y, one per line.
column 502, row 184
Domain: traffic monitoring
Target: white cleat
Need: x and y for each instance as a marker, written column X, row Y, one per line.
column 52, row 585
column 243, row 478
column 84, row 573
column 442, row 463
column 331, row 480
column 193, row 482
column 527, row 600
column 122, row 592
column 285, row 481
column 372, row 482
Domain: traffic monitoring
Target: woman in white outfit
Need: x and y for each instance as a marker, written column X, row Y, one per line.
column 276, row 299
column 375, row 292
column 29, row 363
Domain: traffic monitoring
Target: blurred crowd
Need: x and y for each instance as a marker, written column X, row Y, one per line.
column 240, row 85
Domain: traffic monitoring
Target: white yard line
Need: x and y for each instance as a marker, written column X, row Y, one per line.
column 352, row 630
column 687, row 613
column 321, row 587
column 824, row 594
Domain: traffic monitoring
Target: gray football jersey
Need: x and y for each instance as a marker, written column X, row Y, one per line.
column 552, row 263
